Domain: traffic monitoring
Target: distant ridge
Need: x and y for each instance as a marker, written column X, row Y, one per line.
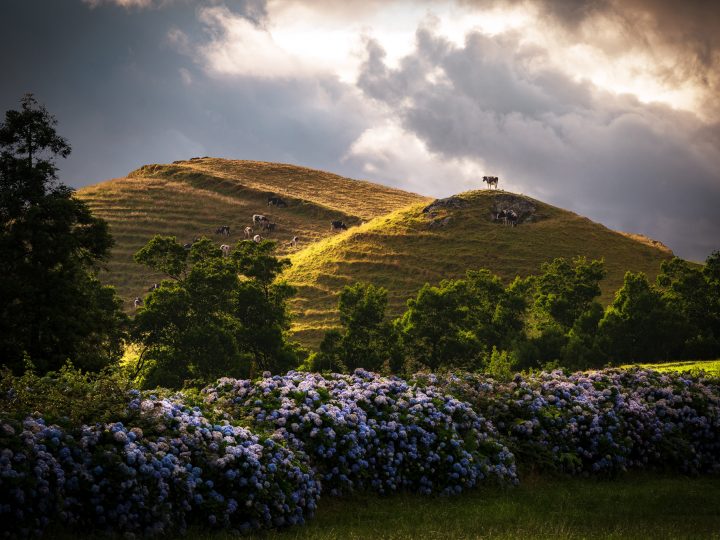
column 396, row 239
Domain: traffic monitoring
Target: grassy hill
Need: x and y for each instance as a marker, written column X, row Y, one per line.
column 398, row 240
column 192, row 198
column 409, row 247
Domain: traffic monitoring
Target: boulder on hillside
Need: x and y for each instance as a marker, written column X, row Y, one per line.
column 445, row 204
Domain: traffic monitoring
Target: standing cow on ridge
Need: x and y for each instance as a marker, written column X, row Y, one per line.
column 491, row 181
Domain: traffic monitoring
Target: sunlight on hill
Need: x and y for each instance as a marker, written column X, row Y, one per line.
column 409, row 247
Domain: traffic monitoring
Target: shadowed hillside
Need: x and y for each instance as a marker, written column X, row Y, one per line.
column 193, row 198
column 428, row 243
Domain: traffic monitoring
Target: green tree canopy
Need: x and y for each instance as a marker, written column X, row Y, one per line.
column 693, row 294
column 52, row 306
column 639, row 325
column 565, row 289
column 367, row 339
column 457, row 323
column 215, row 316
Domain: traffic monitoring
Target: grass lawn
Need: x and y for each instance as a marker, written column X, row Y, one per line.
column 710, row 367
column 634, row 506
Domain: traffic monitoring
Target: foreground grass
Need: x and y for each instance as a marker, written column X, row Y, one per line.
column 635, row 506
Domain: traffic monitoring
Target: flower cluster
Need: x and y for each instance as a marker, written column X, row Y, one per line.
column 363, row 431
column 600, row 422
column 172, row 468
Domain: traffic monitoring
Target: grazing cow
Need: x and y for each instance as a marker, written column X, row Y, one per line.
column 248, row 232
column 224, row 230
column 257, row 238
column 259, row 218
column 491, row 181
column 153, row 287
column 337, row 225
column 267, row 226
column 277, row 201
column 508, row 216
column 294, row 241
column 225, row 250
column 137, row 302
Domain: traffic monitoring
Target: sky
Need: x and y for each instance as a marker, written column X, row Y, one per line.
column 609, row 108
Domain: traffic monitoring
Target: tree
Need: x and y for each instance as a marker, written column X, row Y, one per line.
column 366, row 340
column 639, row 325
column 564, row 303
column 457, row 323
column 566, row 289
column 215, row 316
column 693, row 294
column 52, row 306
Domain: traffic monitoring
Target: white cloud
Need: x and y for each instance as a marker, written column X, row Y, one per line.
column 392, row 155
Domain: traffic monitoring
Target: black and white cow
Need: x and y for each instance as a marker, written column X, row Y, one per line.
column 337, row 225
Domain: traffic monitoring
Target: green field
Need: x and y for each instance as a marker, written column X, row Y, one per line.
column 710, row 367
column 637, row 506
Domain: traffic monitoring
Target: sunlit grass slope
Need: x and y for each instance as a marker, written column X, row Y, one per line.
column 192, row 198
column 409, row 247
column 359, row 198
column 709, row 367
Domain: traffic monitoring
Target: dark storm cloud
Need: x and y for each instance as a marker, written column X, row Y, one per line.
column 125, row 96
column 635, row 167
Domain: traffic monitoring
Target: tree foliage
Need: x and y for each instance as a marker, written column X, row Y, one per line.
column 639, row 325
column 52, row 306
column 215, row 316
column 457, row 323
column 367, row 339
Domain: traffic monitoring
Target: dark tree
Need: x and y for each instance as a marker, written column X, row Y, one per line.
column 693, row 293
column 366, row 340
column 52, row 306
column 640, row 324
column 458, row 323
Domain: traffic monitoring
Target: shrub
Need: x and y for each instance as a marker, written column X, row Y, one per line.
column 366, row 431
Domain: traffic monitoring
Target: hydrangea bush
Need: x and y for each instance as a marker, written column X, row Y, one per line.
column 600, row 422
column 364, row 431
column 172, row 468
column 157, row 465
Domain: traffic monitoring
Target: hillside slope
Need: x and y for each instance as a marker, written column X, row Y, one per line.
column 193, row 198
column 427, row 243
